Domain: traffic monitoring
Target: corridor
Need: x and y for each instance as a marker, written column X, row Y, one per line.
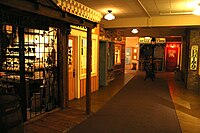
column 140, row 106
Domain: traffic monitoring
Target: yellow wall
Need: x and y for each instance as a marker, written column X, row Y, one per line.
column 80, row 82
column 132, row 42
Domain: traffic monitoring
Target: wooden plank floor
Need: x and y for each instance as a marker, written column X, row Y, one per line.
column 59, row 121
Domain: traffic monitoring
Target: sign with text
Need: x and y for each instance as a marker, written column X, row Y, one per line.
column 147, row 40
column 194, row 57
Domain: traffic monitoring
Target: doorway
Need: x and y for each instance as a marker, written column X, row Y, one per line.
column 71, row 66
column 171, row 57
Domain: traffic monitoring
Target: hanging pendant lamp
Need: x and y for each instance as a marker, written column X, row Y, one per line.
column 109, row 16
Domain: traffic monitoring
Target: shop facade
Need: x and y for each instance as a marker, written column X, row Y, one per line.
column 34, row 54
column 111, row 55
column 167, row 55
column 78, row 61
column 111, row 61
column 106, row 62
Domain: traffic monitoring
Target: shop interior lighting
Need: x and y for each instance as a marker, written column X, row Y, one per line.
column 109, row 16
column 134, row 31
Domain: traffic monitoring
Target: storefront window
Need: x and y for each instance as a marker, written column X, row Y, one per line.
column 84, row 56
column 94, row 56
column 134, row 53
column 128, row 56
column 117, row 54
column 38, row 55
column 70, row 54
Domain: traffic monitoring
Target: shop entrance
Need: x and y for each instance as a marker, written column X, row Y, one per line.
column 71, row 67
column 171, row 57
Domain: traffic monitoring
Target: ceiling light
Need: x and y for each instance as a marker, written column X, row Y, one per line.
column 134, row 31
column 196, row 11
column 109, row 16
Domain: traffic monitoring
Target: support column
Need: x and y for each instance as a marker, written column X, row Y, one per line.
column 63, row 66
column 88, row 73
column 22, row 88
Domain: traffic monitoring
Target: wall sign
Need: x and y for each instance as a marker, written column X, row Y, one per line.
column 194, row 57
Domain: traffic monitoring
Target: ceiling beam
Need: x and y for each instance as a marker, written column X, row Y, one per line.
column 46, row 11
column 144, row 8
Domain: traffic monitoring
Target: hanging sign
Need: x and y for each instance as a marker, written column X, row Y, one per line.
column 147, row 40
column 194, row 57
column 160, row 40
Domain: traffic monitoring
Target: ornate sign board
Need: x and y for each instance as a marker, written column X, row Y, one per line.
column 147, row 40
column 194, row 57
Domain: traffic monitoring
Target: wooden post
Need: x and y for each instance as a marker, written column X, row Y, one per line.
column 2, row 54
column 63, row 66
column 88, row 76
column 65, row 70
column 22, row 88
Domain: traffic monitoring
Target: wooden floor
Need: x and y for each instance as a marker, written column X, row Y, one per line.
column 56, row 122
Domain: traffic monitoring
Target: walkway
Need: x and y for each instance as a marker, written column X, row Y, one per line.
column 187, row 106
column 140, row 107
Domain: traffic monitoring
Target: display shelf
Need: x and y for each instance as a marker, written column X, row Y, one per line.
column 32, row 33
column 17, row 56
column 18, row 71
column 26, row 44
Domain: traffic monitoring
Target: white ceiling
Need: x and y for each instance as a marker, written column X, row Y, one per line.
column 144, row 12
column 136, row 8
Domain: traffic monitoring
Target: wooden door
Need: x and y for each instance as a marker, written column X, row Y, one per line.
column 171, row 58
column 71, row 68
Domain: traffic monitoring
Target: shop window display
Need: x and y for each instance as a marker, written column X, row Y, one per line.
column 40, row 61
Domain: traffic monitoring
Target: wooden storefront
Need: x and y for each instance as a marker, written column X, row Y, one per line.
column 119, row 58
column 36, row 30
column 77, row 67
column 106, row 62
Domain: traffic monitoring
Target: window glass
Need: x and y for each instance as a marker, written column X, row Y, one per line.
column 117, row 54
column 83, row 54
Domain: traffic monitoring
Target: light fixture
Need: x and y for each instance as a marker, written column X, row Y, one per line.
column 196, row 11
column 109, row 16
column 134, row 31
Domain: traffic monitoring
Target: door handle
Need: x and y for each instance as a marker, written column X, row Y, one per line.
column 73, row 73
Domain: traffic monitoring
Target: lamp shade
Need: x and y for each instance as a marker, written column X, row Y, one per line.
column 134, row 31
column 109, row 16
column 196, row 11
